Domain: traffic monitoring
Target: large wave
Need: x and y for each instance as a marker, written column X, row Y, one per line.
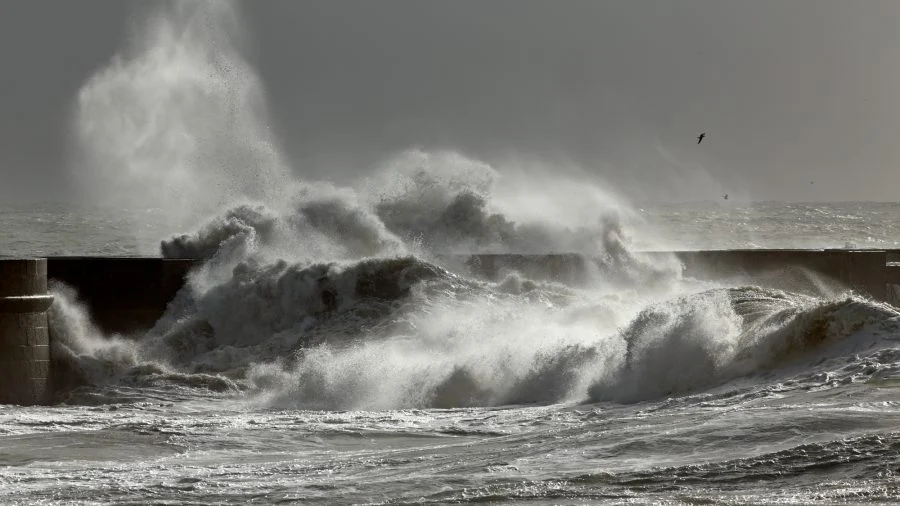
column 315, row 295
column 401, row 332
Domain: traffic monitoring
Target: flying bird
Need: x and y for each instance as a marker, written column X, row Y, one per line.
column 700, row 137
column 725, row 196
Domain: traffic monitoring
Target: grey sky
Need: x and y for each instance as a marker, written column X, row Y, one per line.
column 788, row 91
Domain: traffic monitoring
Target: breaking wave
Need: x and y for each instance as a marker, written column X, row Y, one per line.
column 398, row 332
column 437, row 280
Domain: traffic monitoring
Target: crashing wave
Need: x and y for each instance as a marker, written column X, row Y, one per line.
column 708, row 338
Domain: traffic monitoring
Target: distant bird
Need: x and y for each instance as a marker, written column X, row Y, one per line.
column 700, row 137
column 725, row 196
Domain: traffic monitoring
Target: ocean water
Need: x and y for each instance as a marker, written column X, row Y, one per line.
column 329, row 348
column 66, row 229
column 637, row 385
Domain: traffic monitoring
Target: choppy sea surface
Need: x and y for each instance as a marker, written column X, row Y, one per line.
column 279, row 379
column 55, row 229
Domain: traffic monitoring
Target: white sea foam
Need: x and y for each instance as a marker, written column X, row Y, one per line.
column 81, row 353
column 319, row 295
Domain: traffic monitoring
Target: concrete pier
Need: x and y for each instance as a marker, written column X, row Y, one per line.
column 129, row 294
column 124, row 294
column 868, row 272
column 24, row 333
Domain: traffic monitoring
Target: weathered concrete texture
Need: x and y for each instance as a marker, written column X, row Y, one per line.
column 130, row 294
column 865, row 271
column 24, row 336
column 892, row 274
column 23, row 277
column 125, row 294
column 862, row 270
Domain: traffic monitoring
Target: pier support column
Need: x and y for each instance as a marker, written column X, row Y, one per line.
column 24, row 336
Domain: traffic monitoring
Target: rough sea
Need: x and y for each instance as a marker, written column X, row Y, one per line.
column 331, row 349
column 635, row 386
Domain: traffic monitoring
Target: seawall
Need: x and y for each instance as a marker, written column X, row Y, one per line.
column 24, row 332
column 123, row 294
column 128, row 294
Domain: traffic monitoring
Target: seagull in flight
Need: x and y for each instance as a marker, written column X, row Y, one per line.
column 725, row 196
column 700, row 137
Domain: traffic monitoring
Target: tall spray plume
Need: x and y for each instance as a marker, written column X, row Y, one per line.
column 177, row 120
column 332, row 296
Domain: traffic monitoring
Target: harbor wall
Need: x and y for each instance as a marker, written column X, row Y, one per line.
column 127, row 295
column 123, row 294
column 24, row 332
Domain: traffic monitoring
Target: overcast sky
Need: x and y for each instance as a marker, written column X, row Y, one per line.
column 788, row 92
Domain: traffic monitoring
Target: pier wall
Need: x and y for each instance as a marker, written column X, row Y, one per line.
column 868, row 272
column 125, row 294
column 24, row 332
column 864, row 271
column 128, row 294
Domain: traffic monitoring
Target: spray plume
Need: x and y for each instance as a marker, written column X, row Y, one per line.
column 177, row 120
column 335, row 297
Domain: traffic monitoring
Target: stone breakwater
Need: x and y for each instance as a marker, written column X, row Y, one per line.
column 127, row 295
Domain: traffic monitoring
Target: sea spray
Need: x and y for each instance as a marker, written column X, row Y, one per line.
column 283, row 269
column 319, row 295
column 458, row 344
column 92, row 367
column 486, row 349
column 713, row 336
column 177, row 120
column 452, row 203
column 444, row 205
column 402, row 333
column 81, row 354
